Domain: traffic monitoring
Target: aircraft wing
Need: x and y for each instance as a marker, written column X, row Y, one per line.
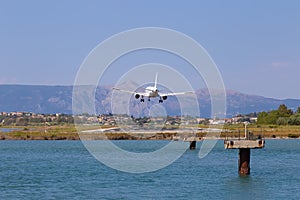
column 121, row 90
column 176, row 93
column 131, row 92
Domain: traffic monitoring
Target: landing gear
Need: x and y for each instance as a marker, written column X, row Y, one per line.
column 142, row 99
column 160, row 101
column 148, row 99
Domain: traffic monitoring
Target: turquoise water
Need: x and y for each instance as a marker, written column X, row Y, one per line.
column 65, row 170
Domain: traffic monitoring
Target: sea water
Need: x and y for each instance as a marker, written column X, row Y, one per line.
column 66, row 170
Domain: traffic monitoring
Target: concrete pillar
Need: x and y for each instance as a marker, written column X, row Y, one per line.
column 244, row 161
column 192, row 145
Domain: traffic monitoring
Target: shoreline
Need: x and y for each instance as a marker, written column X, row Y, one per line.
column 122, row 136
column 69, row 132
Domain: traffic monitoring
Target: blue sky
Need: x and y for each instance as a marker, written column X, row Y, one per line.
column 255, row 44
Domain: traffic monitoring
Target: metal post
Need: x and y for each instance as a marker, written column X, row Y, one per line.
column 192, row 145
column 244, row 161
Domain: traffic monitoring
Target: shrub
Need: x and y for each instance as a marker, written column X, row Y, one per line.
column 291, row 135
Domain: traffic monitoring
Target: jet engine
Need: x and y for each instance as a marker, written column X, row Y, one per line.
column 164, row 97
column 137, row 96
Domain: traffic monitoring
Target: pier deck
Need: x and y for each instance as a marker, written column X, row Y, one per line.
column 240, row 144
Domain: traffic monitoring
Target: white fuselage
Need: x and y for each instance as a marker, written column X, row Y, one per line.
column 151, row 91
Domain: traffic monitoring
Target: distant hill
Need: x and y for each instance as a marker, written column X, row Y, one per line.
column 58, row 99
column 39, row 99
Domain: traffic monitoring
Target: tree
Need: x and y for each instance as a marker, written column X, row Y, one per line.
column 261, row 119
column 268, row 118
column 281, row 116
column 294, row 120
column 298, row 110
column 282, row 121
column 272, row 117
column 283, row 111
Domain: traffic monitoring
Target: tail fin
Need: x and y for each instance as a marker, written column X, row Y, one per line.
column 155, row 83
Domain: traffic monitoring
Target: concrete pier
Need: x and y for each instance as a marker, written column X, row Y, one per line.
column 193, row 141
column 245, row 145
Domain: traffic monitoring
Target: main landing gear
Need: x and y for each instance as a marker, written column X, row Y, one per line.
column 159, row 101
column 142, row 99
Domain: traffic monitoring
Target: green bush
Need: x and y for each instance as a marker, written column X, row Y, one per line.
column 291, row 135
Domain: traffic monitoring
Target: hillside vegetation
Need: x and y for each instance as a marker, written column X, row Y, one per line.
column 281, row 116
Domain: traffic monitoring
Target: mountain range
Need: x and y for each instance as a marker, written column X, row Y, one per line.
column 58, row 99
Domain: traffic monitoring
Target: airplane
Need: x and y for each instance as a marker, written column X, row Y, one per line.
column 152, row 92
